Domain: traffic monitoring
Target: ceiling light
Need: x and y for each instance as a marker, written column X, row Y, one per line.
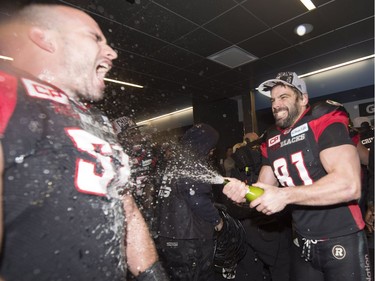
column 123, row 83
column 165, row 115
column 303, row 29
column 5, row 58
column 332, row 67
column 308, row 4
column 336, row 66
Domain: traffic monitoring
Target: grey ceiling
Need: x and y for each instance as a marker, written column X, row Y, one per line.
column 164, row 45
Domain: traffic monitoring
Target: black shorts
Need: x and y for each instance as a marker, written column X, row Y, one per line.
column 342, row 258
column 190, row 259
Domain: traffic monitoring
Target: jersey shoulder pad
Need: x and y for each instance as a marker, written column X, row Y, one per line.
column 324, row 107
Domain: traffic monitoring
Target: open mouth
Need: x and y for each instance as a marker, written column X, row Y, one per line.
column 102, row 70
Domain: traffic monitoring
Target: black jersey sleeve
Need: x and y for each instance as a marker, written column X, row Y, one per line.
column 334, row 135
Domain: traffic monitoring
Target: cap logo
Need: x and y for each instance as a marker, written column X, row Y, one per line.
column 285, row 76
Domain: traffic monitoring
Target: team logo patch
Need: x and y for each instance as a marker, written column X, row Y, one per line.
column 273, row 141
column 338, row 252
column 299, row 130
column 43, row 91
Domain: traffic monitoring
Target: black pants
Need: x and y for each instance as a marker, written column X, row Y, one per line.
column 344, row 258
column 187, row 260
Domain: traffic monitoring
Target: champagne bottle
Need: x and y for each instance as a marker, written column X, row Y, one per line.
column 253, row 191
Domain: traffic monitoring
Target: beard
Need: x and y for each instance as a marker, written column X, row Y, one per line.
column 292, row 116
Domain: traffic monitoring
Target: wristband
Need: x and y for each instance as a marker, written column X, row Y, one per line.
column 154, row 273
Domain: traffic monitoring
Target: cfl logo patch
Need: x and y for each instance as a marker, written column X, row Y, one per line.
column 273, row 141
column 338, row 252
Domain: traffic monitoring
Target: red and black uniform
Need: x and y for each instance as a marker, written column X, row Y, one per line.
column 293, row 154
column 63, row 219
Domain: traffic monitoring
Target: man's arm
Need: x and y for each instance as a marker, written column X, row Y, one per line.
column 363, row 153
column 1, row 195
column 341, row 184
column 140, row 249
column 1, row 198
column 267, row 176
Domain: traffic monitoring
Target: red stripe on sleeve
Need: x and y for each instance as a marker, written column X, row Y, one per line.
column 8, row 99
column 320, row 124
column 356, row 139
column 357, row 215
column 263, row 149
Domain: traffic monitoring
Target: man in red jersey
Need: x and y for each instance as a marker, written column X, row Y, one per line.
column 68, row 213
column 310, row 163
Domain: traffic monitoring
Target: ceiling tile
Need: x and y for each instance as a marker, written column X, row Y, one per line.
column 176, row 56
column 273, row 13
column 119, row 11
column 326, row 44
column 206, row 68
column 346, row 12
column 199, row 12
column 264, row 44
column 131, row 40
column 161, row 23
column 284, row 58
column 202, row 42
column 242, row 25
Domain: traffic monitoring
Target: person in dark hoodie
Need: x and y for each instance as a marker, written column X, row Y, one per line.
column 187, row 216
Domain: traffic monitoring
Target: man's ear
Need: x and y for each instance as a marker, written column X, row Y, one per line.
column 40, row 38
column 305, row 99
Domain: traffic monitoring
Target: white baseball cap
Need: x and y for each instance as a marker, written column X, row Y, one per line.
column 287, row 78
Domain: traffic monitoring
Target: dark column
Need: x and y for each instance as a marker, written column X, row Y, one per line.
column 223, row 116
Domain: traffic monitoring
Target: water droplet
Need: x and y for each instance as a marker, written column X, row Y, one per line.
column 19, row 159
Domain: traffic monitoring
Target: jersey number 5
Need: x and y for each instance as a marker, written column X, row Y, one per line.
column 92, row 177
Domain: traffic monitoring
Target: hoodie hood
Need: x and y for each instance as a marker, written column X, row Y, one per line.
column 200, row 138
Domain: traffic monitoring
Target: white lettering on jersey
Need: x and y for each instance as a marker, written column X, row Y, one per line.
column 94, row 177
column 282, row 170
column 292, row 140
column 164, row 191
column 43, row 91
column 299, row 130
column 273, row 141
column 367, row 141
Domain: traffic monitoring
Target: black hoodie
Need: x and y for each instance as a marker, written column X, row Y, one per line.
column 186, row 209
